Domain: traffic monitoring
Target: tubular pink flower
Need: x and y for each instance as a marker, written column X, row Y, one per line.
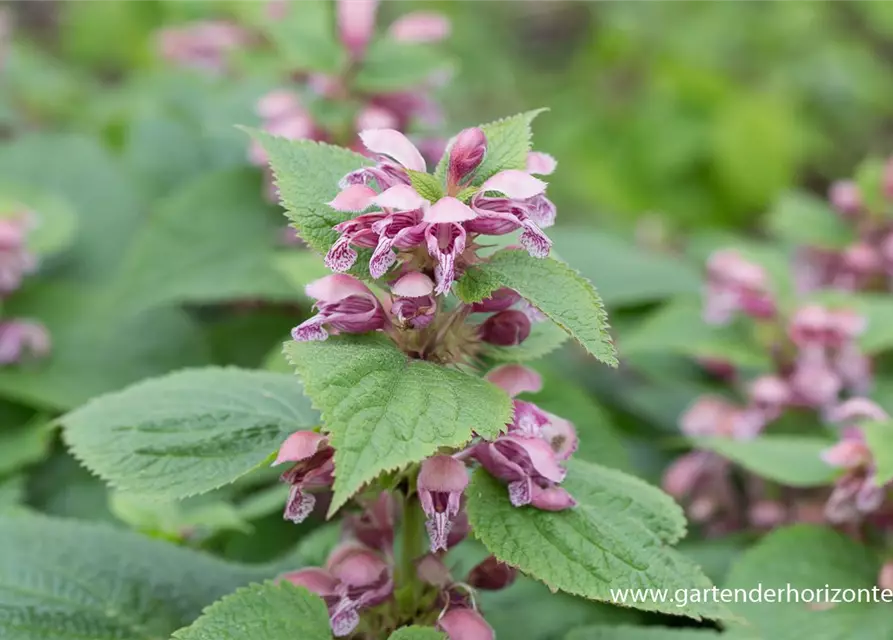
column 16, row 260
column 431, row 570
column 441, row 481
column 709, row 416
column 22, row 338
column 343, row 303
column 401, row 197
column 845, row 197
column 420, row 27
column 849, row 453
column 374, row 526
column 375, row 117
column 735, row 285
column 393, row 144
column 356, row 24
column 314, row 579
column 541, row 163
column 460, row 623
column 515, row 379
column 355, row 198
column 201, row 45
column 414, row 305
column 364, row 580
column 314, row 468
column 885, row 577
column 561, row 436
column 855, row 410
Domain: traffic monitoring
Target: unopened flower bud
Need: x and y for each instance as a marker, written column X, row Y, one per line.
column 356, row 24
column 466, row 154
column 845, row 197
column 499, row 300
column 314, row 579
column 492, row 575
column 465, row 624
column 374, row 526
column 506, row 328
column 442, row 479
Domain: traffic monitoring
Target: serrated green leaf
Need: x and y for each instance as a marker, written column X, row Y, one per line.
column 791, row 460
column 210, row 241
column 810, row 557
column 269, row 611
column 801, row 218
column 417, row 633
column 879, row 438
column 188, row 432
column 545, row 337
column 384, row 410
column 641, row 633
column 96, row 349
column 425, row 185
column 678, row 327
column 565, row 296
column 193, row 518
column 508, row 143
column 62, row 579
column 307, row 175
column 466, row 194
column 615, row 538
column 390, row 66
column 626, row 274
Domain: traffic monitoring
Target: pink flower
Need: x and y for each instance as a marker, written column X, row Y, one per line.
column 355, row 578
column 515, row 379
column 420, row 27
column 356, row 24
column 441, row 481
column 735, row 285
column 201, row 45
column 16, row 260
column 405, row 220
column 314, row 468
column 711, row 416
column 499, row 300
column 283, row 115
column 414, row 304
column 461, row 623
column 374, row 526
column 465, row 155
column 22, row 338
column 343, row 303
column 845, row 197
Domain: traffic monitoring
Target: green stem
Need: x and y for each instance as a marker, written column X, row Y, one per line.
column 413, row 539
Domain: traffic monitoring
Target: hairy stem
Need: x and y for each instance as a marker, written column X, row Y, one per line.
column 413, row 540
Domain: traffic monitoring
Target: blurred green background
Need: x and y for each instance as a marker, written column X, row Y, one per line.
column 679, row 114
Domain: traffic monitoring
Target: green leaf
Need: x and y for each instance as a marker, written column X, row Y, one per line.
column 879, row 437
column 24, row 444
column 810, row 557
column 307, row 175
column 641, row 633
column 426, row 185
column 299, row 267
column 626, row 274
column 188, row 432
column 870, row 179
column 615, row 538
column 545, row 337
column 62, row 579
column 80, row 172
column 556, row 289
column 390, row 66
column 305, row 38
column 384, row 410
column 211, row 241
column 417, row 633
column 96, row 349
column 791, row 460
column 678, row 327
column 194, row 518
column 12, row 492
column 801, row 218
column 269, row 611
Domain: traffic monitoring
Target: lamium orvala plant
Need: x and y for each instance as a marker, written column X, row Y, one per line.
column 411, row 420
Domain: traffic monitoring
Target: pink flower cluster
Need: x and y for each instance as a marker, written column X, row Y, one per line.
column 817, row 364
column 284, row 114
column 866, row 264
column 19, row 337
column 204, row 46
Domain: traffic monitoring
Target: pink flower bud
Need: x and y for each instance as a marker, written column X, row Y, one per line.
column 420, row 27
column 466, row 154
column 356, row 24
column 845, row 197
column 506, row 328
column 681, row 477
column 810, row 325
column 414, row 305
column 768, row 514
column 550, row 498
column 492, row 575
column 374, row 526
column 815, row 384
column 355, row 565
column 856, row 410
column 499, row 300
column 465, row 624
column 20, row 339
column 861, row 258
column 708, row 416
column 849, row 453
column 314, row 579
column 442, row 479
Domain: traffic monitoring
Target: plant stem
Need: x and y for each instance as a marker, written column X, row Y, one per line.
column 413, row 531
